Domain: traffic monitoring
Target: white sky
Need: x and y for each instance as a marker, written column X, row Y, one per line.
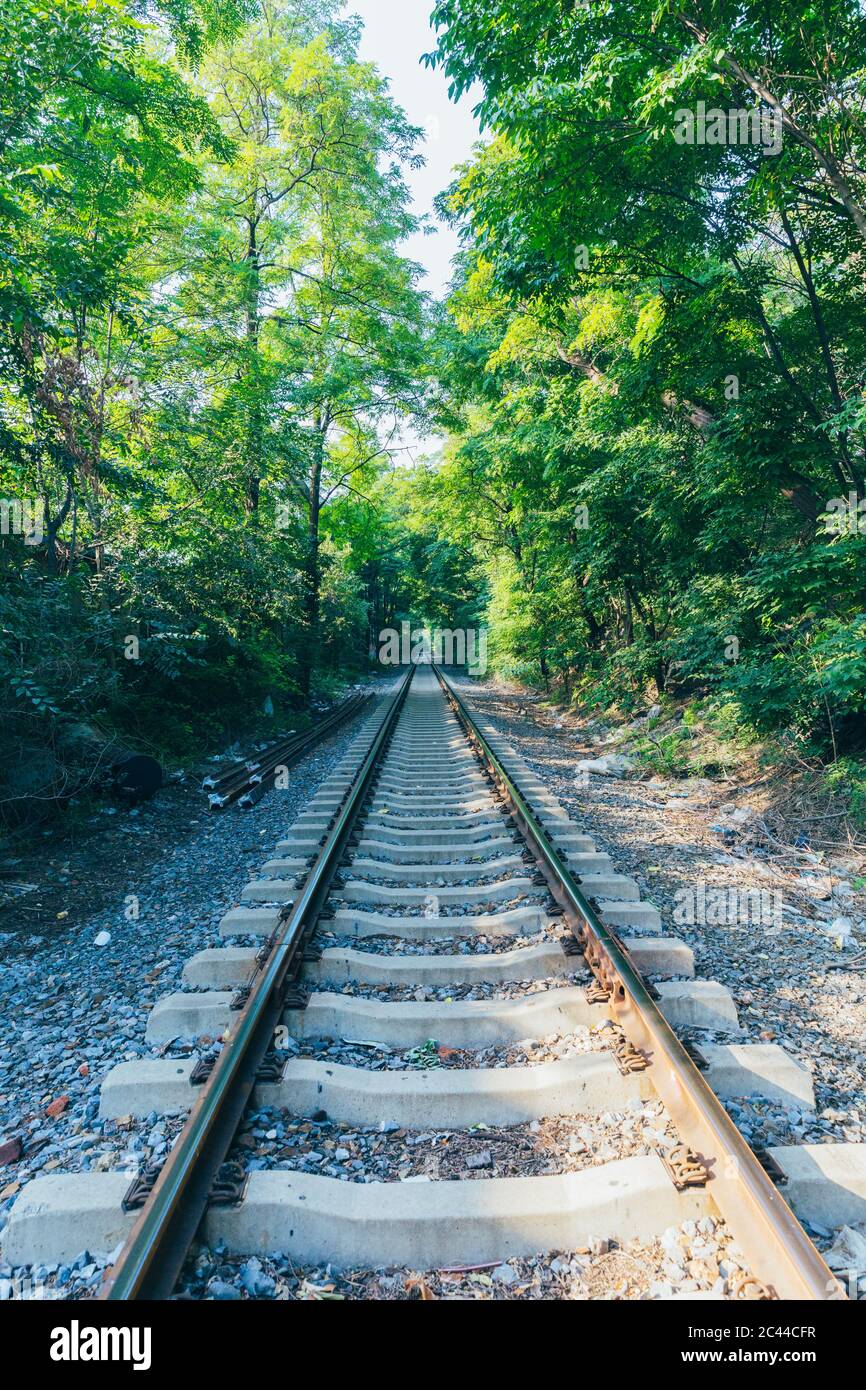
column 396, row 33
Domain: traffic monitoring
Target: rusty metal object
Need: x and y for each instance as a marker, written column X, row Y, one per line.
column 596, row 993
column 155, row 1250
column 745, row 1286
column 229, row 1185
column 629, row 1059
column 686, row 1168
column 240, row 997
column 271, row 1068
column 696, row 1056
column 777, row 1247
column 771, row 1167
column 264, row 952
column 202, row 1069
column 139, row 1190
column 296, row 997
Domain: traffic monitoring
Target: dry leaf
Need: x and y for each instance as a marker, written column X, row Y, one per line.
column 417, row 1281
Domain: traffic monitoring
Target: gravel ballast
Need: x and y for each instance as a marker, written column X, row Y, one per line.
column 787, row 976
column 74, row 1008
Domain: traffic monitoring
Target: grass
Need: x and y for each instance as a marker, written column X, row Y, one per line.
column 846, row 778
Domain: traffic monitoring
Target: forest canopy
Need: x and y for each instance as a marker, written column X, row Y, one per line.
column 657, row 350
column 648, row 376
column 209, row 337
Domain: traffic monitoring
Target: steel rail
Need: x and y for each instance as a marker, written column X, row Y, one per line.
column 154, row 1252
column 243, row 776
column 260, row 780
column 778, row 1249
column 238, row 781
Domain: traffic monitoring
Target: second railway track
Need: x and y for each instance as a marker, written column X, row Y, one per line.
column 245, row 783
column 435, row 901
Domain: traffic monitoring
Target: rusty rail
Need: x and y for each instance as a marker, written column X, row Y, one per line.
column 778, row 1249
column 179, row 1194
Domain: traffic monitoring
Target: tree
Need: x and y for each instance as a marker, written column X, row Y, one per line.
column 95, row 129
column 208, row 336
column 310, row 314
column 667, row 337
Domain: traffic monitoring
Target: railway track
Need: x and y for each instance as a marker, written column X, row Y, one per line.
column 245, row 783
column 430, row 838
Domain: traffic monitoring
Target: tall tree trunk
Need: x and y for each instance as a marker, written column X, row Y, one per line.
column 53, row 526
column 312, row 596
column 823, row 340
column 628, row 621
column 255, row 432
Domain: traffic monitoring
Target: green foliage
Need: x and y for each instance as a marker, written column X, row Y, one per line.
column 207, row 328
column 847, row 779
column 667, row 755
column 655, row 357
column 650, row 372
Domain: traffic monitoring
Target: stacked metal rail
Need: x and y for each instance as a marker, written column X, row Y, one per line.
column 245, row 783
